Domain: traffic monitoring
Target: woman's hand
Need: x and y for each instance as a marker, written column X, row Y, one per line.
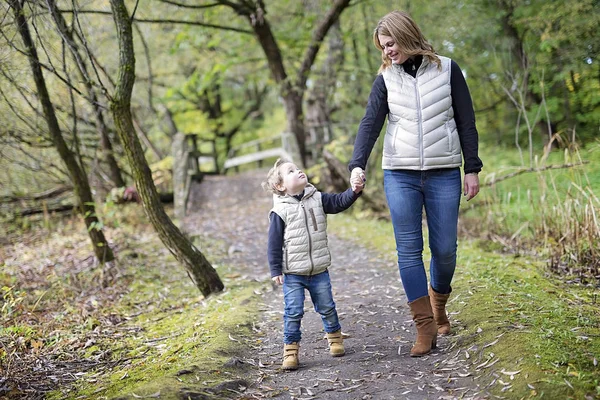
column 471, row 185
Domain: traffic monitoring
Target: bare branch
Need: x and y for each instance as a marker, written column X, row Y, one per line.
column 83, row 41
column 317, row 39
column 149, row 63
column 527, row 170
column 166, row 21
column 192, row 6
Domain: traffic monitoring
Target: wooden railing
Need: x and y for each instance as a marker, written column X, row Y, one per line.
column 264, row 148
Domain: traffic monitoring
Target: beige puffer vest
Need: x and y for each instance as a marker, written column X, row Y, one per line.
column 421, row 133
column 305, row 249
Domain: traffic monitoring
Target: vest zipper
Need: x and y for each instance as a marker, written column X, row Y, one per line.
column 312, row 264
column 419, row 117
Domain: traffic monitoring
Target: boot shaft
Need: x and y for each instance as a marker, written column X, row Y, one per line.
column 438, row 306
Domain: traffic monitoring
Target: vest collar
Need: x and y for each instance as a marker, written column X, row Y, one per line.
column 309, row 190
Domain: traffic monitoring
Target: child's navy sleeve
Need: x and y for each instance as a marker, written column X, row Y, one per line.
column 275, row 245
column 334, row 203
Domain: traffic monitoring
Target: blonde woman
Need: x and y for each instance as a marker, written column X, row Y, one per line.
column 430, row 130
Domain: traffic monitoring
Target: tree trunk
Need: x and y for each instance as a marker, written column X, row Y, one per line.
column 79, row 179
column 291, row 91
column 295, row 124
column 197, row 266
column 107, row 153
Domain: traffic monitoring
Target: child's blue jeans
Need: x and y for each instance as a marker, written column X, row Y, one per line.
column 438, row 191
column 319, row 287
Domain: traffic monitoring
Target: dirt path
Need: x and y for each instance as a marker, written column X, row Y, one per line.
column 370, row 302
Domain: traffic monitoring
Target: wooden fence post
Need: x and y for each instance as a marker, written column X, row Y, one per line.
column 179, row 150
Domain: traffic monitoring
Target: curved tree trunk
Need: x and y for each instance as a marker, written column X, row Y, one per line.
column 197, row 266
column 79, row 179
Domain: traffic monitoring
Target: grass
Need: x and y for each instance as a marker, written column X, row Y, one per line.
column 518, row 200
column 142, row 332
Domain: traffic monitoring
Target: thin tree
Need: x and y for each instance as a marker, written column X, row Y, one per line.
column 197, row 266
column 78, row 177
column 101, row 126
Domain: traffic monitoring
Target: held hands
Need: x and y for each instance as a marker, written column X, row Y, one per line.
column 358, row 180
column 278, row 279
column 471, row 185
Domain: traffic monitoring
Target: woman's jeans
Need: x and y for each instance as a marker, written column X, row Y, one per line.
column 319, row 287
column 439, row 192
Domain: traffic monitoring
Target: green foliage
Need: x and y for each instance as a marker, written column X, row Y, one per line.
column 11, row 301
column 553, row 211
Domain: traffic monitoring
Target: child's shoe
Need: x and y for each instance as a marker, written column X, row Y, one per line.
column 336, row 343
column 290, row 356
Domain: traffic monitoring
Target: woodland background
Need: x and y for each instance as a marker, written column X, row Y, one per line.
column 93, row 96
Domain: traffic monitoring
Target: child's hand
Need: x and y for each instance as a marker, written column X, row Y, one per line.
column 278, row 279
column 357, row 185
column 358, row 180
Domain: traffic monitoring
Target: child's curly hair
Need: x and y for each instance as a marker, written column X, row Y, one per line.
column 274, row 178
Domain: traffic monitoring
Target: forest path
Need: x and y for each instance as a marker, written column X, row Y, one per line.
column 370, row 302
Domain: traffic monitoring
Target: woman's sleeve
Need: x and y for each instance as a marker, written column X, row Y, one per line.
column 464, row 116
column 370, row 125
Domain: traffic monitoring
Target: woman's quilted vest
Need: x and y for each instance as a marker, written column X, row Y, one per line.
column 421, row 132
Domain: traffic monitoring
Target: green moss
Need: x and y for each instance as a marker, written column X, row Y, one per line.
column 200, row 336
column 535, row 324
column 170, row 327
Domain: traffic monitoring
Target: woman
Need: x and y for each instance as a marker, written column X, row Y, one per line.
column 431, row 127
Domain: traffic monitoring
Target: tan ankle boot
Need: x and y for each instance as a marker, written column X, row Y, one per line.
column 438, row 306
column 290, row 356
column 426, row 327
column 336, row 343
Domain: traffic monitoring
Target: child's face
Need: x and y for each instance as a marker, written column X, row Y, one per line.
column 294, row 180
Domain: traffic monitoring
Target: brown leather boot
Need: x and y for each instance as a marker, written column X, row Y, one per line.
column 290, row 356
column 438, row 306
column 426, row 327
column 336, row 343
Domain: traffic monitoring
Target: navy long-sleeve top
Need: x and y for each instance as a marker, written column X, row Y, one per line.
column 377, row 110
column 333, row 203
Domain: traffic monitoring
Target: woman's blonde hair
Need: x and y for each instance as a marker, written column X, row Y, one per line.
column 406, row 34
column 274, row 178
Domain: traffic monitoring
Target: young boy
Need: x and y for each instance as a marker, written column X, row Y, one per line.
column 298, row 252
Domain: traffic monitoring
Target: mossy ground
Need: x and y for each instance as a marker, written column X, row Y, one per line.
column 151, row 331
column 540, row 326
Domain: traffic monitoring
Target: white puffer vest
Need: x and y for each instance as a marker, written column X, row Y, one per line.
column 421, row 133
column 305, row 249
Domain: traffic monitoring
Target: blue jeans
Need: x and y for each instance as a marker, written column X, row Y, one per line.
column 319, row 287
column 439, row 191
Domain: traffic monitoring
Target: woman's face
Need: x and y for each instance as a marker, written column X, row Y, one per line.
column 391, row 49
